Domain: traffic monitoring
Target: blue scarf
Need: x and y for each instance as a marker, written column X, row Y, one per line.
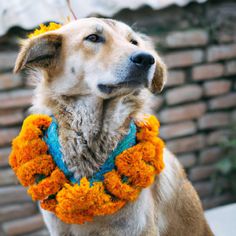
column 54, row 149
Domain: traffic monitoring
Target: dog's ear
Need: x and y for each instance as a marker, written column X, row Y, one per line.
column 39, row 52
column 160, row 76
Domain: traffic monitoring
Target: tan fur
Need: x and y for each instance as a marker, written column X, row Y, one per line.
column 92, row 121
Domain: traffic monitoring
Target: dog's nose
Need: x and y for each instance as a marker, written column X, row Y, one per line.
column 142, row 59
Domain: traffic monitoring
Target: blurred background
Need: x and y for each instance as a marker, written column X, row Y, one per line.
column 197, row 109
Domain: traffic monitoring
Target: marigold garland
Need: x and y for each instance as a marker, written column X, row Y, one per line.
column 136, row 168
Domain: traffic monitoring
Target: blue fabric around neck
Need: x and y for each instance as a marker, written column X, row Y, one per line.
column 54, row 149
column 128, row 141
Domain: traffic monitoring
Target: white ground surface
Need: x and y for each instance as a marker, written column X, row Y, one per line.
column 222, row 220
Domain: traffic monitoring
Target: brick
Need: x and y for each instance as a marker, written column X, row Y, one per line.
column 183, row 58
column 223, row 199
column 175, row 77
column 230, row 68
column 4, row 154
column 223, row 102
column 188, row 144
column 221, row 52
column 23, row 226
column 214, row 120
column 7, row 59
column 177, row 129
column 208, row 71
column 7, row 177
column 217, row 137
column 14, row 211
column 210, row 155
column 8, row 81
column 13, row 194
column 181, row 113
column 183, row 94
column 187, row 160
column 157, row 39
column 11, row 117
column 186, row 39
column 201, row 172
column 18, row 98
column 223, row 37
column 205, row 188
column 7, row 134
column 218, row 87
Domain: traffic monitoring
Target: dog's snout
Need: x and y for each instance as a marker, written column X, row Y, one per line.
column 142, row 59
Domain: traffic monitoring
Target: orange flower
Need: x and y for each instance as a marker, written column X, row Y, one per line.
column 130, row 164
column 49, row 204
column 13, row 160
column 152, row 152
column 79, row 203
column 37, row 121
column 48, row 186
column 106, row 209
column 114, row 185
column 148, row 128
column 28, row 144
column 28, row 150
column 40, row 165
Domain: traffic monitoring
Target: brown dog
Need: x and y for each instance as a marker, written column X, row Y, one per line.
column 94, row 75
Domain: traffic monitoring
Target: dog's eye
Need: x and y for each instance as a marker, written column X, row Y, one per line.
column 134, row 42
column 94, row 38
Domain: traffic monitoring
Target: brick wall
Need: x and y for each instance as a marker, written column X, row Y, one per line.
column 196, row 108
column 18, row 214
column 198, row 105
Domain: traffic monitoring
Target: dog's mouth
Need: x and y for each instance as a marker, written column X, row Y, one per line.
column 109, row 88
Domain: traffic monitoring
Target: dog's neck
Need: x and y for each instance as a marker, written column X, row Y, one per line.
column 90, row 128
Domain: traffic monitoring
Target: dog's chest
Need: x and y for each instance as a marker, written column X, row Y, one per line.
column 85, row 151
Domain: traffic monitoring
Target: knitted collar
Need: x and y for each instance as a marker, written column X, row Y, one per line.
column 131, row 167
column 54, row 149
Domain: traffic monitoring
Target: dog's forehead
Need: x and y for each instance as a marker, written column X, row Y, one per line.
column 98, row 25
column 117, row 25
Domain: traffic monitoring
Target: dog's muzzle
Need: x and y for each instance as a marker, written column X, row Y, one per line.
column 136, row 75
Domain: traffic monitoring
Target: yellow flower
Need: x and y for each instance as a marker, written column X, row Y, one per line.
column 43, row 29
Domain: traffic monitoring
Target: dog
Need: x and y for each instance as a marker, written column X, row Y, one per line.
column 94, row 75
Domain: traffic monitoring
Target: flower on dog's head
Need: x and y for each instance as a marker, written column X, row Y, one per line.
column 45, row 28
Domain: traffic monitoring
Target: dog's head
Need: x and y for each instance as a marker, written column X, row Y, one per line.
column 94, row 56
